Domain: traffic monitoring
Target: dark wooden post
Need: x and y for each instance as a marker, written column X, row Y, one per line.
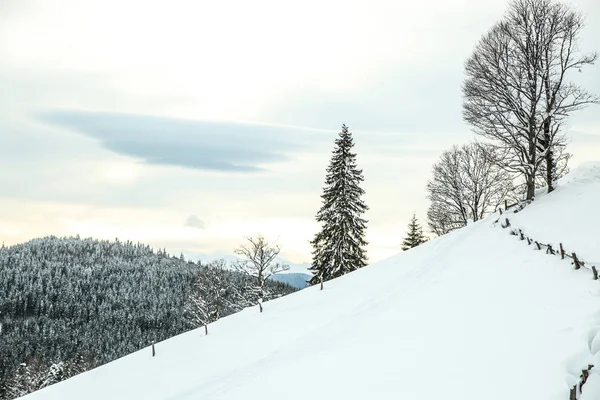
column 528, row 241
column 550, row 249
column 205, row 329
column 521, row 234
column 595, row 272
column 153, row 351
column 562, row 252
column 576, row 261
column 585, row 373
column 321, row 281
column 538, row 245
column 505, row 204
column 573, row 393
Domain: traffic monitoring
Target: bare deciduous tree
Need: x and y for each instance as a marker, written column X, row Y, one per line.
column 559, row 162
column 516, row 92
column 258, row 260
column 561, row 167
column 560, row 40
column 214, row 295
column 441, row 221
column 466, row 185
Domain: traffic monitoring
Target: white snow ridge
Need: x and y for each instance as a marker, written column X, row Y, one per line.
column 475, row 314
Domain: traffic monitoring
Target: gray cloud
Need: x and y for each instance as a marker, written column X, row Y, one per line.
column 216, row 146
column 195, row 222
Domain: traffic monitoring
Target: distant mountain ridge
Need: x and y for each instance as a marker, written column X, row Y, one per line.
column 295, row 279
column 297, row 275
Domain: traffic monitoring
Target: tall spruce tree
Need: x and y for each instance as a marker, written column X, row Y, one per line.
column 339, row 246
column 414, row 236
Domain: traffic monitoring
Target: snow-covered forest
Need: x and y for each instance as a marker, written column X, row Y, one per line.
column 70, row 304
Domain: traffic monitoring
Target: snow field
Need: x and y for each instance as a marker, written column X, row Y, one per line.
column 475, row 314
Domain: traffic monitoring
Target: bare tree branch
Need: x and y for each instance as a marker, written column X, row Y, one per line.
column 516, row 92
column 258, row 258
column 466, row 185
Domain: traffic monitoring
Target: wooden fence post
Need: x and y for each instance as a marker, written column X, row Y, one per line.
column 595, row 271
column 528, row 241
column 538, row 245
column 550, row 250
column 585, row 373
column 573, row 393
column 321, row 282
column 562, row 252
column 153, row 351
column 205, row 329
column 576, row 261
column 505, row 204
column 521, row 234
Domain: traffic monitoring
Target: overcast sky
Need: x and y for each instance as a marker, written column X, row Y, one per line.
column 189, row 124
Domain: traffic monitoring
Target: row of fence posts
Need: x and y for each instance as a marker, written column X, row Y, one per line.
column 550, row 250
column 575, row 391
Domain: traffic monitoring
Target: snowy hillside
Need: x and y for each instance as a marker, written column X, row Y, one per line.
column 575, row 214
column 476, row 314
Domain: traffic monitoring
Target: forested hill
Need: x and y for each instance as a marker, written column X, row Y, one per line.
column 69, row 299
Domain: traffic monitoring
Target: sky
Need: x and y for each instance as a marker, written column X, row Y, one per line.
column 188, row 125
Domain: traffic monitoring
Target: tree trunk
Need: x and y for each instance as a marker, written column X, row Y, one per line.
column 260, row 281
column 530, row 174
column 549, row 157
column 530, row 186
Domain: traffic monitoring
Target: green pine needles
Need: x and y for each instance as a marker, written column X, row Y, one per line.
column 339, row 247
column 414, row 236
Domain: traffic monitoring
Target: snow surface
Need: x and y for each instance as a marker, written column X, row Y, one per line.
column 591, row 390
column 575, row 215
column 475, row 314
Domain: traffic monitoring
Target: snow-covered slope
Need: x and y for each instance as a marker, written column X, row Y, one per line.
column 476, row 314
column 570, row 215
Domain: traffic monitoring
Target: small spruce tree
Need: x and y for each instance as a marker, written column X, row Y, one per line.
column 339, row 246
column 414, row 236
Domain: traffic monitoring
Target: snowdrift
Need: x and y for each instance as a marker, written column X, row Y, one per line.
column 476, row 314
